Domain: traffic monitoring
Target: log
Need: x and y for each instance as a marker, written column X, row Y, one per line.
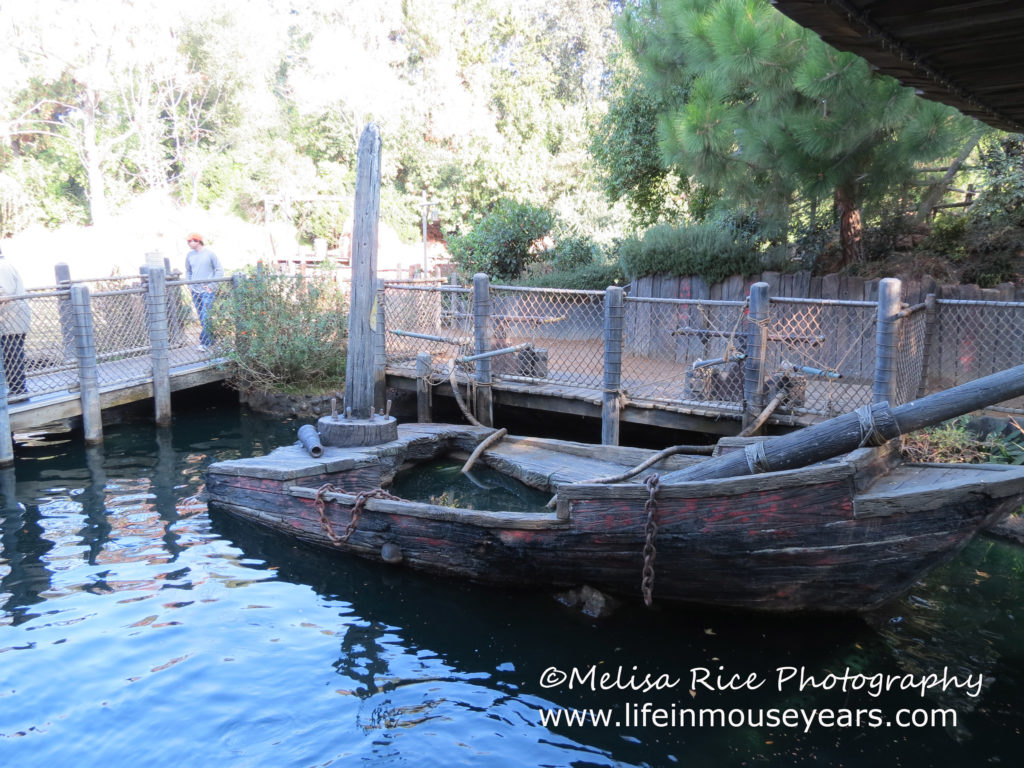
column 483, row 447
column 845, row 433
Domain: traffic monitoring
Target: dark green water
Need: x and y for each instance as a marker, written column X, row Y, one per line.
column 443, row 483
column 139, row 628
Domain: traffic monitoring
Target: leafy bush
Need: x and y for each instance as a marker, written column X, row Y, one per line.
column 947, row 236
column 962, row 441
column 573, row 252
column 283, row 333
column 504, row 242
column 589, row 277
column 707, row 249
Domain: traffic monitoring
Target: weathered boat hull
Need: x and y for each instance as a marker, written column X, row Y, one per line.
column 842, row 536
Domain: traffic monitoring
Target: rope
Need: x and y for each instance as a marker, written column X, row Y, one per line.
column 650, row 531
column 757, row 462
column 869, row 434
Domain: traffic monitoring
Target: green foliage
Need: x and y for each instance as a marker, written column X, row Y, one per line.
column 985, row 244
column 504, row 242
column 947, row 236
column 625, row 148
column 572, row 252
column 1007, row 446
column 766, row 116
column 950, row 442
column 577, row 262
column 477, row 100
column 588, row 277
column 283, row 333
column 960, row 441
column 994, row 229
column 707, row 249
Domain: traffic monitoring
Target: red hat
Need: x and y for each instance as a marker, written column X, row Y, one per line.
column 196, row 236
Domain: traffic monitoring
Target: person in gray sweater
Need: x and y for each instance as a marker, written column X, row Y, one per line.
column 202, row 264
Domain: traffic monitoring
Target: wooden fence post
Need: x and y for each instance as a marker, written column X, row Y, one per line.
column 362, row 322
column 884, row 390
column 931, row 308
column 85, row 352
column 757, row 350
column 424, row 364
column 64, row 313
column 6, row 438
column 614, row 315
column 482, row 335
column 159, row 341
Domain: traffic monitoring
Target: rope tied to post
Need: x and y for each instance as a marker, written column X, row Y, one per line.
column 757, row 461
column 869, row 432
column 320, row 504
column 651, row 532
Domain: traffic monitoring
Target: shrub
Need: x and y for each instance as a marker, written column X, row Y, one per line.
column 709, row 250
column 283, row 333
column 962, row 441
column 590, row 277
column 503, row 243
column 573, row 252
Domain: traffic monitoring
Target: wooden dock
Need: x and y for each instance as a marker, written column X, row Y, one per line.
column 132, row 379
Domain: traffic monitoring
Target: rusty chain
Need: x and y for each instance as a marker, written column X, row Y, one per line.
column 319, row 502
column 651, row 531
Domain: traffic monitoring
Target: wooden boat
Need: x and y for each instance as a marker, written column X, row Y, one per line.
column 846, row 534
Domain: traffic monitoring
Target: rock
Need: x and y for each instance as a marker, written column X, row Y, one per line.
column 589, row 601
column 1010, row 528
column 391, row 553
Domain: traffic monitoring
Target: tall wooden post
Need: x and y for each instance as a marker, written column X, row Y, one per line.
column 483, row 336
column 931, row 313
column 884, row 390
column 85, row 352
column 67, row 325
column 757, row 349
column 363, row 307
column 614, row 314
column 6, row 438
column 159, row 341
column 424, row 363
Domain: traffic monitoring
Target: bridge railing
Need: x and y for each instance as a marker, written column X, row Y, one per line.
column 120, row 329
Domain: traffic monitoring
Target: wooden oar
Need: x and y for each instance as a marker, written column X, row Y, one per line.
column 866, row 426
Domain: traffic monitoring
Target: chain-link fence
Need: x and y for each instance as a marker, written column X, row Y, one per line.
column 683, row 354
column 121, row 337
column 44, row 361
column 690, row 355
column 682, row 350
column 912, row 332
column 433, row 319
column 972, row 339
column 563, row 331
column 822, row 352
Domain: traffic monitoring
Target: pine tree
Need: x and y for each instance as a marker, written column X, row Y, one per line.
column 769, row 114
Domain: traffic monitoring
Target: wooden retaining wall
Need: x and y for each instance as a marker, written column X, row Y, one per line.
column 803, row 285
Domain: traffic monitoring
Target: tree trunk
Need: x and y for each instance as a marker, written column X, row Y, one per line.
column 98, row 211
column 851, row 228
column 935, row 192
